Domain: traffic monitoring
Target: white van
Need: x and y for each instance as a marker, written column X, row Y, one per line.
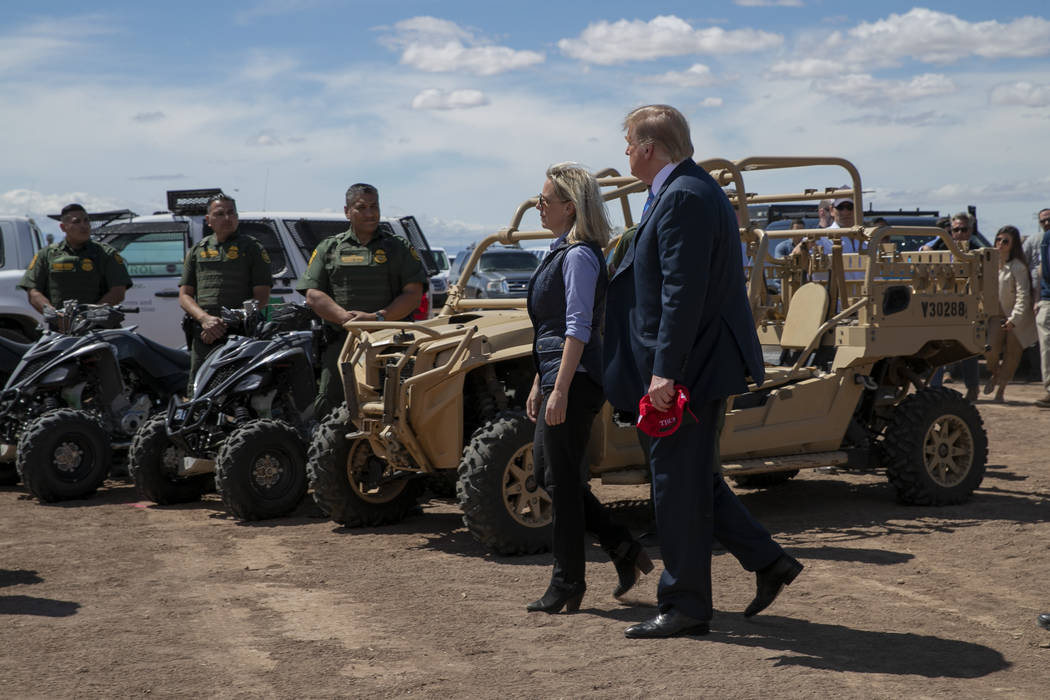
column 155, row 246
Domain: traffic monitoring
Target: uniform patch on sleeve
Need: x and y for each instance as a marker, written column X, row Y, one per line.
column 266, row 256
column 116, row 256
column 32, row 263
column 415, row 253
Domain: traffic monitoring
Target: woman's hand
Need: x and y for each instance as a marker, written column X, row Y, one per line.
column 532, row 404
column 1008, row 325
column 556, row 403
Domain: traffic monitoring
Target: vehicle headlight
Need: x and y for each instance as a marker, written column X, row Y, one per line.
column 250, row 382
column 438, row 284
column 57, row 376
column 496, row 286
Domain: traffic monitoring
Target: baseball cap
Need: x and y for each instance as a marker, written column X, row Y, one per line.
column 655, row 423
column 841, row 200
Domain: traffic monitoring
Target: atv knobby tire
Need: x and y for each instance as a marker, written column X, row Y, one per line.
column 63, row 454
column 154, row 461
column 260, row 471
column 338, row 469
column 503, row 507
column 760, row 481
column 936, row 448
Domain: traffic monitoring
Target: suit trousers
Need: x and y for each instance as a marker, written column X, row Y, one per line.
column 560, row 466
column 694, row 507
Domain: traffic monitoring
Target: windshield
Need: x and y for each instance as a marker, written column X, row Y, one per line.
column 518, row 261
column 149, row 249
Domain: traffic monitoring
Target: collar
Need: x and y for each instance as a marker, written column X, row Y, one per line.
column 379, row 233
column 560, row 240
column 661, row 177
column 214, row 239
column 75, row 251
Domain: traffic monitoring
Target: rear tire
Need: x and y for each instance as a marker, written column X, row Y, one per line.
column 260, row 471
column 64, row 454
column 339, row 471
column 153, row 462
column 936, row 448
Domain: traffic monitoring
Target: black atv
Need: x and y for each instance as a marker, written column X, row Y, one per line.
column 81, row 392
column 249, row 420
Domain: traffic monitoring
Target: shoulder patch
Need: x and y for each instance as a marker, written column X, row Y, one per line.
column 116, row 256
column 32, row 263
column 266, row 256
column 312, row 256
column 414, row 252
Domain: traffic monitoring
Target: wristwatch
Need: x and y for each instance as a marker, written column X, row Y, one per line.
column 380, row 316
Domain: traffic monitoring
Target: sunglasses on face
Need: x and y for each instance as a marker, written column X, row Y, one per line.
column 1005, row 241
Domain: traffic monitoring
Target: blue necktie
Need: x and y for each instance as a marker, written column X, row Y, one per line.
column 648, row 202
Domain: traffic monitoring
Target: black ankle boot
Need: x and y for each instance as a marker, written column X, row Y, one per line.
column 630, row 558
column 558, row 597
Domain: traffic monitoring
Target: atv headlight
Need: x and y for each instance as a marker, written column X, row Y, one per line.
column 250, row 382
column 57, row 376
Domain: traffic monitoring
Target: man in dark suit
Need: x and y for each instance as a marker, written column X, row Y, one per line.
column 677, row 313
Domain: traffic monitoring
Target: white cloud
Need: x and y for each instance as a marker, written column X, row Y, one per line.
column 711, row 102
column 608, row 43
column 768, row 3
column 25, row 202
column 940, row 38
column 264, row 138
column 698, row 75
column 451, row 99
column 863, row 89
column 35, row 43
column 272, row 8
column 1021, row 93
column 806, row 68
column 439, row 46
column 264, row 66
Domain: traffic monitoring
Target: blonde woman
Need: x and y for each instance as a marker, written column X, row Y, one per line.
column 566, row 303
column 1015, row 300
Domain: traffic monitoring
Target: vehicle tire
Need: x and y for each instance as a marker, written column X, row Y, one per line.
column 760, row 481
column 8, row 474
column 63, row 454
column 337, row 468
column 260, row 471
column 153, row 462
column 503, row 507
column 936, row 448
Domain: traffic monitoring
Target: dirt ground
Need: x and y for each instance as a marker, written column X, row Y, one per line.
column 113, row 596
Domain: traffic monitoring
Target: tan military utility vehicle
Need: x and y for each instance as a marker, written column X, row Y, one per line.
column 444, row 397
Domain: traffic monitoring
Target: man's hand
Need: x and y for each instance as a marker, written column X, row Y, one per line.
column 359, row 316
column 661, row 393
column 1008, row 325
column 212, row 328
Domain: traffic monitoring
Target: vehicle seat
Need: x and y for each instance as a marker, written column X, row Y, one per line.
column 179, row 358
column 806, row 313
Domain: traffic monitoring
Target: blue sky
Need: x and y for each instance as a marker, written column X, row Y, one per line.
column 454, row 109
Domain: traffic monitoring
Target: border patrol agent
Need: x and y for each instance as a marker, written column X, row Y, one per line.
column 363, row 274
column 77, row 268
column 226, row 268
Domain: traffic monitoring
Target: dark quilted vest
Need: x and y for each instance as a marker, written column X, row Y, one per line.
column 546, row 305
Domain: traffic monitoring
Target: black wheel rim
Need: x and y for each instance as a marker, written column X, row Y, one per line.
column 271, row 473
column 73, row 457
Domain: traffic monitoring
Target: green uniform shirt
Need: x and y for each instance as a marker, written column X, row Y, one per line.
column 362, row 277
column 59, row 272
column 223, row 274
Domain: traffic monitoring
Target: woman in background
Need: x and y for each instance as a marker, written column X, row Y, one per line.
column 1015, row 300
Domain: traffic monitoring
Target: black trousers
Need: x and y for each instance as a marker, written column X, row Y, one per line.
column 694, row 506
column 559, row 459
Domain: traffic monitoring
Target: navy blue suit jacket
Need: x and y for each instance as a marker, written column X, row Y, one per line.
column 677, row 306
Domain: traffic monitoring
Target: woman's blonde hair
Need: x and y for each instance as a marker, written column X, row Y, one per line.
column 572, row 182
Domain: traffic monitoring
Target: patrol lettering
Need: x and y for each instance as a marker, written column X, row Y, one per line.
column 943, row 309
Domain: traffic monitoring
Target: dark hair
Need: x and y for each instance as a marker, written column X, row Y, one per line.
column 944, row 222
column 358, row 189
column 70, row 208
column 880, row 221
column 1014, row 252
column 220, row 197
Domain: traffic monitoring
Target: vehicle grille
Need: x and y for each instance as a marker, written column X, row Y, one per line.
column 517, row 286
column 221, row 375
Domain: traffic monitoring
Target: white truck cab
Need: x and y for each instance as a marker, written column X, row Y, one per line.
column 20, row 240
column 154, row 247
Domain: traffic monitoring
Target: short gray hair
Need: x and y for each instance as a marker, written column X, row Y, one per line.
column 572, row 182
column 358, row 189
column 662, row 124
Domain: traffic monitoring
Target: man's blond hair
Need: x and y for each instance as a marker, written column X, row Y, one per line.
column 663, row 125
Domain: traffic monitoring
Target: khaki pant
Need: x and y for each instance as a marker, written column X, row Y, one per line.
column 1002, row 369
column 1042, row 325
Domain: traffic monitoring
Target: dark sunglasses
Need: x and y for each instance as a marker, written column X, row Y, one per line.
column 1002, row 240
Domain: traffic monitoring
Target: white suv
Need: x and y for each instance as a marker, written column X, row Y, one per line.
column 155, row 246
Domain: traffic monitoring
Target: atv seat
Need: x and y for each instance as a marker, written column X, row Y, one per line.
column 179, row 358
column 806, row 313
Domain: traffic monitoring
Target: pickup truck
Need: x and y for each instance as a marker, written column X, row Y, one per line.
column 155, row 246
column 20, row 240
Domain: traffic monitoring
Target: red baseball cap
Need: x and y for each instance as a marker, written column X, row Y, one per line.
column 656, row 423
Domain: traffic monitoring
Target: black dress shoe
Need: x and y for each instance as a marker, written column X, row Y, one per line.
column 1044, row 621
column 629, row 559
column 770, row 580
column 557, row 598
column 669, row 624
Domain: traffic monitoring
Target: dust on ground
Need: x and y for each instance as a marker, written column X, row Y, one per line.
column 112, row 596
